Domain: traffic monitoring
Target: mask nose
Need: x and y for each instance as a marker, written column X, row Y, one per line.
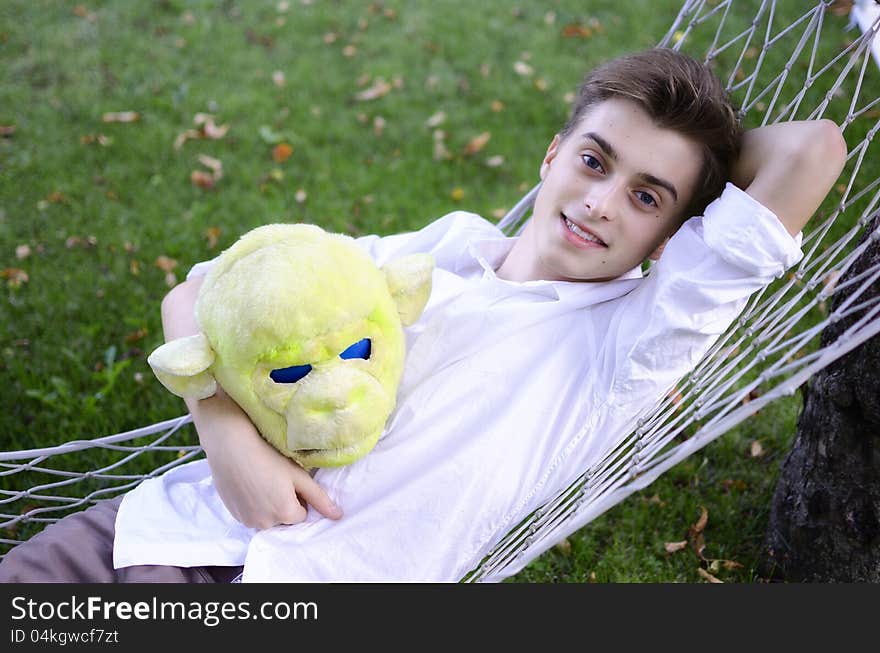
column 336, row 407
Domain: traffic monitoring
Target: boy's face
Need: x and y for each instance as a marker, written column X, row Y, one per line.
column 613, row 192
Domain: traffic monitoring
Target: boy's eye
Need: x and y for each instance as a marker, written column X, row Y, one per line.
column 290, row 374
column 360, row 349
column 592, row 162
column 646, row 198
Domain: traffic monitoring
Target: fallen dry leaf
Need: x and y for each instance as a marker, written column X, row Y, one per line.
column 212, row 235
column 281, row 152
column 695, row 533
column 214, row 165
column 733, row 484
column 380, row 88
column 676, row 396
column 100, row 139
column 183, row 137
column 6, row 131
column 349, row 51
column 209, row 129
column 755, row 449
column 134, row 336
column 14, row 277
column 134, row 266
column 841, row 7
column 708, row 577
column 121, row 116
column 206, row 129
column 379, row 125
column 564, row 547
column 672, row 547
column 202, row 179
column 165, row 263
column 497, row 106
column 440, row 151
column 522, row 68
column 700, row 526
column 476, row 144
column 498, row 213
column 436, row 120
column 829, row 283
column 76, row 241
column 576, row 30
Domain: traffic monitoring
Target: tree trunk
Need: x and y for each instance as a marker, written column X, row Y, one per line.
column 825, row 514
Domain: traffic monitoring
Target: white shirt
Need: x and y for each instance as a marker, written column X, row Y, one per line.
column 509, row 392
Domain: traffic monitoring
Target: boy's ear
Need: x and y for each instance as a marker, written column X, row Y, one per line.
column 655, row 255
column 552, row 150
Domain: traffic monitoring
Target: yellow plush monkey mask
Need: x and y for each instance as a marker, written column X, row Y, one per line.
column 305, row 333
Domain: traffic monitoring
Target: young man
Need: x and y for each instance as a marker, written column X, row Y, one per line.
column 534, row 356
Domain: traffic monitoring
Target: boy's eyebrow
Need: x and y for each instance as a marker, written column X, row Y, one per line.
column 647, row 177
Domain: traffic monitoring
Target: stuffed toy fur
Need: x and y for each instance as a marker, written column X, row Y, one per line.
column 305, row 333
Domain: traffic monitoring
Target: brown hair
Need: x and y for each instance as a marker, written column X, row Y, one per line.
column 679, row 93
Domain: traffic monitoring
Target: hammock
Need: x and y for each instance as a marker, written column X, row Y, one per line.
column 772, row 346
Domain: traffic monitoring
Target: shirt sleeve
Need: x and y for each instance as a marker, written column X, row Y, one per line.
column 694, row 292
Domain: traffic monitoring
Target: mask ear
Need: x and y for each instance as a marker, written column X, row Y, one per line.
column 655, row 255
column 409, row 282
column 182, row 366
column 552, row 150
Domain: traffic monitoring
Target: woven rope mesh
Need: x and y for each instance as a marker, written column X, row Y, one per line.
column 769, row 351
column 773, row 347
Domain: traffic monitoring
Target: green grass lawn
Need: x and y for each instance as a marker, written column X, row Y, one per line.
column 99, row 218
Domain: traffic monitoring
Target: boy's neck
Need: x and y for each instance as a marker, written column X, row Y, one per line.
column 514, row 269
column 521, row 263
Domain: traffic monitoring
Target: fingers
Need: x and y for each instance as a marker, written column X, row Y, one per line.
column 315, row 495
column 293, row 513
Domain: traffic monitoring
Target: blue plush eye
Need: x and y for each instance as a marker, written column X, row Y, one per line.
column 360, row 349
column 290, row 374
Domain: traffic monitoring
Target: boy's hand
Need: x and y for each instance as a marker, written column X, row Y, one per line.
column 790, row 167
column 259, row 486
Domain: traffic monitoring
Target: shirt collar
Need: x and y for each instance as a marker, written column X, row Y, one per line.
column 490, row 253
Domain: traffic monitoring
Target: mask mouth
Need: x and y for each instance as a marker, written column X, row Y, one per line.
column 336, row 416
column 336, row 457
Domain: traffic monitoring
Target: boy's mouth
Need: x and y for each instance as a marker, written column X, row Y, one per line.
column 579, row 235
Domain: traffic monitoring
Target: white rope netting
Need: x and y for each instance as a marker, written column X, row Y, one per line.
column 769, row 352
column 771, row 349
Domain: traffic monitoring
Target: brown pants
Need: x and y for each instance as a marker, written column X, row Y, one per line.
column 79, row 549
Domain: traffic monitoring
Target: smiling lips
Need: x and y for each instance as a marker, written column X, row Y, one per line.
column 579, row 236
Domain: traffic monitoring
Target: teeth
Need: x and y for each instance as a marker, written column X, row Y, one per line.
column 580, row 232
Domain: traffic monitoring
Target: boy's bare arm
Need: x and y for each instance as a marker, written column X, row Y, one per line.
column 258, row 485
column 790, row 167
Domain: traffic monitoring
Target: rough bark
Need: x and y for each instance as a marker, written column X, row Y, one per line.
column 825, row 515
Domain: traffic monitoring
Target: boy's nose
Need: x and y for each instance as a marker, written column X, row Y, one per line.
column 599, row 202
